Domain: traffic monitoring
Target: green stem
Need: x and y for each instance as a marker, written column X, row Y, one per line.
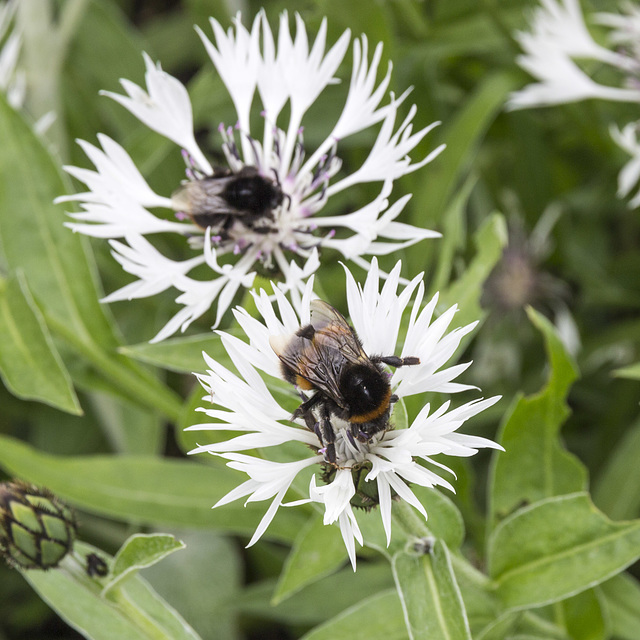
column 138, row 617
column 409, row 519
column 134, row 383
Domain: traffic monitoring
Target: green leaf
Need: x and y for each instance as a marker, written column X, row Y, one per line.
column 54, row 260
column 138, row 614
column 632, row 372
column 183, row 355
column 336, row 593
column 185, row 580
column 430, row 596
column 454, row 235
column 129, row 427
column 499, row 628
column 534, row 465
column 56, row 263
column 557, row 548
column 463, row 135
column 583, row 617
column 147, row 490
column 480, row 601
column 376, row 618
column 139, row 551
column 317, row 551
column 611, row 491
column 490, row 239
column 30, row 365
column 622, row 598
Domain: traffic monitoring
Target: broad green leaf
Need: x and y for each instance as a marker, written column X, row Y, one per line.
column 138, row 613
column 317, row 551
column 521, row 624
column 185, row 580
column 532, row 625
column 613, row 490
column 498, row 628
column 430, row 596
column 139, row 551
column 147, row 490
column 454, row 235
column 534, row 464
column 632, row 372
column 129, row 428
column 376, row 618
column 54, row 260
column 181, row 354
column 490, row 239
column 480, row 601
column 622, row 598
column 322, row 600
column 462, row 135
column 557, row 548
column 30, row 365
column 56, row 263
column 583, row 617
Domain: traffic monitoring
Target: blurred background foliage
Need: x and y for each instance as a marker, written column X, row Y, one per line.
column 538, row 184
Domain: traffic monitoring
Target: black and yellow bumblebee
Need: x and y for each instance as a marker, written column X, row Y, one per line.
column 220, row 200
column 326, row 356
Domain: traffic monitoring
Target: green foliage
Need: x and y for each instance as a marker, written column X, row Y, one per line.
column 430, row 596
column 30, row 365
column 90, row 410
column 132, row 611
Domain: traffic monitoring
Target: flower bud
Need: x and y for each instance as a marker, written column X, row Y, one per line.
column 36, row 529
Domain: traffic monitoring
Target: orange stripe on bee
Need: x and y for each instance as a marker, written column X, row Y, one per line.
column 303, row 383
column 374, row 413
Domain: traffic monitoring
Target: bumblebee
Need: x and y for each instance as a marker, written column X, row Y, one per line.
column 327, row 357
column 219, row 200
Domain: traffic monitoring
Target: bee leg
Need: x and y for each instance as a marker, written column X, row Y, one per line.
column 393, row 398
column 262, row 230
column 306, row 406
column 396, row 361
column 328, row 436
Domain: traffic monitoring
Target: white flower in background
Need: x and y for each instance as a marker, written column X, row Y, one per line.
column 263, row 207
column 12, row 79
column 558, row 38
column 627, row 139
column 555, row 48
column 363, row 462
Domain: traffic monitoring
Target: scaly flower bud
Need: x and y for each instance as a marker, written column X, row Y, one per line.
column 36, row 529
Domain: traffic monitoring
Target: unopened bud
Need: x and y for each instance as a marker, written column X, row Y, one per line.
column 36, row 529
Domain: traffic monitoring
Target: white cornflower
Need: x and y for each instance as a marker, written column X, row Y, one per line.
column 627, row 139
column 263, row 207
column 347, row 420
column 558, row 38
column 12, row 79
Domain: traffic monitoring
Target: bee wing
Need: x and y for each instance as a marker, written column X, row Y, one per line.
column 334, row 333
column 204, row 197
